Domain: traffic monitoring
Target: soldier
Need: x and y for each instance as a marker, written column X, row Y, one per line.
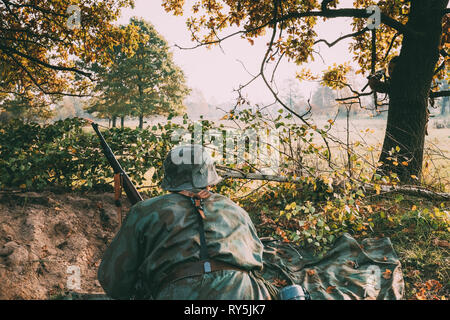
column 188, row 244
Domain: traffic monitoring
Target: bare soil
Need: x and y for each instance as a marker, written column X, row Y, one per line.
column 43, row 234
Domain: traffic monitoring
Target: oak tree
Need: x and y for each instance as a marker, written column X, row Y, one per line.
column 416, row 30
column 42, row 41
column 144, row 83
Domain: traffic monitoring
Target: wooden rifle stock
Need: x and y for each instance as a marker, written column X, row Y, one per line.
column 133, row 195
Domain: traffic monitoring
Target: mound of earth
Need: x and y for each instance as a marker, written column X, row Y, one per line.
column 52, row 244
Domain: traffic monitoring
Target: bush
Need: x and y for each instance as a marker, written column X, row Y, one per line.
column 65, row 155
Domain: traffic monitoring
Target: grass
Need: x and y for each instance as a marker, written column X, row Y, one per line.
column 419, row 232
column 423, row 263
column 421, row 239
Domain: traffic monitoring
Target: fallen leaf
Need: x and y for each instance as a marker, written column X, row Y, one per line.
column 311, row 272
column 421, row 295
column 387, row 274
column 433, row 285
column 279, row 283
column 330, row 289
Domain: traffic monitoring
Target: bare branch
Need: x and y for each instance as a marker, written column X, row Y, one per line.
column 337, row 13
column 391, row 45
column 441, row 67
column 352, row 13
column 324, row 4
column 355, row 34
column 42, row 63
column 445, row 93
column 409, row 190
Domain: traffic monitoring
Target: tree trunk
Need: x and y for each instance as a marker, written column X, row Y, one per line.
column 141, row 121
column 445, row 105
column 122, row 122
column 410, row 87
column 114, row 120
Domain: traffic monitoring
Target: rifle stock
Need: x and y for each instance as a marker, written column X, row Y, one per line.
column 132, row 194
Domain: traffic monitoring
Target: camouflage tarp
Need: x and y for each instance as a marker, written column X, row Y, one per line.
column 350, row 270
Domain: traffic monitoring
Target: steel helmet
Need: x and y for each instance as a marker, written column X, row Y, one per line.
column 189, row 167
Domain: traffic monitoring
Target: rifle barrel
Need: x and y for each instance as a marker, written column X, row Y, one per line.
column 133, row 195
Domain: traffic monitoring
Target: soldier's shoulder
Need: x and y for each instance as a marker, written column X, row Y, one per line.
column 151, row 209
column 158, row 202
column 218, row 198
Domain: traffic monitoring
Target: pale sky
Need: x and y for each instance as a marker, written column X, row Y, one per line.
column 216, row 73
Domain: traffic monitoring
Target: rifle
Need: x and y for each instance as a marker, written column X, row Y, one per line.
column 120, row 176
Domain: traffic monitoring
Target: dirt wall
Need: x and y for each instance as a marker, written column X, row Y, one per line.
column 48, row 239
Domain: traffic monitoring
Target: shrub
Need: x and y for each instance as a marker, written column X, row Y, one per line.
column 65, row 155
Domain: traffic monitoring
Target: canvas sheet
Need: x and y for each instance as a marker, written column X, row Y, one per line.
column 368, row 269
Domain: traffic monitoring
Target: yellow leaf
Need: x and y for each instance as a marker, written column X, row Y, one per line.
column 405, row 163
column 377, row 188
column 23, row 186
column 414, row 207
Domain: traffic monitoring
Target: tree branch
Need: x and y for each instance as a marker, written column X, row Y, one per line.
column 337, row 13
column 445, row 93
column 409, row 190
column 355, row 34
column 35, row 7
column 391, row 45
column 352, row 13
column 39, row 86
column 42, row 63
column 324, row 4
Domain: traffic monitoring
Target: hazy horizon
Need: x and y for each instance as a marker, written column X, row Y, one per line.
column 229, row 59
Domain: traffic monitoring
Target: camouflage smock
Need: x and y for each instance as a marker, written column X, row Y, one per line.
column 161, row 232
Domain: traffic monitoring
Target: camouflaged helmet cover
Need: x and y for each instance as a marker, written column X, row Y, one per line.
column 189, row 167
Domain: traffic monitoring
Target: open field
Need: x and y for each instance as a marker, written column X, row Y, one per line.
column 365, row 139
